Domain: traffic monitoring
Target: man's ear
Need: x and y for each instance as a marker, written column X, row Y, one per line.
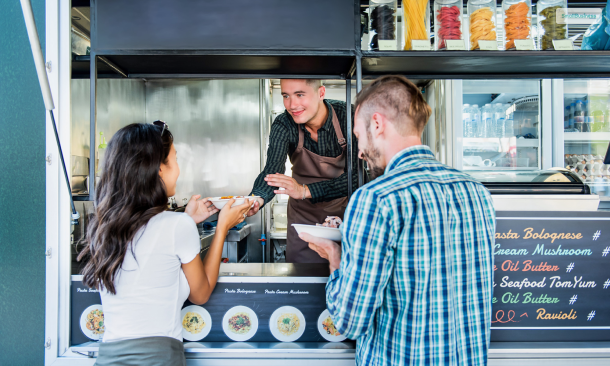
column 378, row 124
column 322, row 91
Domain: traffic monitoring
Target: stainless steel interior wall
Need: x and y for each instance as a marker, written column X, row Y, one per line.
column 119, row 102
column 215, row 124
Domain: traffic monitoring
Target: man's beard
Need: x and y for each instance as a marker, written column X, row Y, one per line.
column 372, row 155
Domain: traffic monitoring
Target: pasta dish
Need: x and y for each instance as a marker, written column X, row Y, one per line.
column 240, row 323
column 329, row 327
column 95, row 321
column 193, row 323
column 288, row 324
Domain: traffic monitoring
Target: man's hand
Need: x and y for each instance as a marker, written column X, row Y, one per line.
column 258, row 203
column 200, row 210
column 291, row 187
column 327, row 249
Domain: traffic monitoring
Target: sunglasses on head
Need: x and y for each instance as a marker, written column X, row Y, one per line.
column 161, row 124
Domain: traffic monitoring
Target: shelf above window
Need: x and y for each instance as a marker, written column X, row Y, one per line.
column 487, row 64
column 164, row 64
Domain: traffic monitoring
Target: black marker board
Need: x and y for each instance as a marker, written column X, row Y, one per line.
column 309, row 298
column 552, row 278
column 262, row 298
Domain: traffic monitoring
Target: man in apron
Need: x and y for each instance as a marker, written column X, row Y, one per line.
column 311, row 132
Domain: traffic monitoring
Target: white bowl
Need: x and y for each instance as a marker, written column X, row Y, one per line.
column 220, row 203
column 329, row 233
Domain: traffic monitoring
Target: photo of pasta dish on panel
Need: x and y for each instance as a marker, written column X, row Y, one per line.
column 240, row 323
column 287, row 324
column 196, row 323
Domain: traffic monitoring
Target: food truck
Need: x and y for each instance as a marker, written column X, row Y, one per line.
column 530, row 120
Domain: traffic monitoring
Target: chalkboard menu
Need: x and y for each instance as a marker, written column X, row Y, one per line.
column 551, row 278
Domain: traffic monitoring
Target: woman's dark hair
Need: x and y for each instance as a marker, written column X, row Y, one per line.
column 129, row 194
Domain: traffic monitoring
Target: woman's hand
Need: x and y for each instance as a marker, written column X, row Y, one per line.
column 231, row 216
column 200, row 210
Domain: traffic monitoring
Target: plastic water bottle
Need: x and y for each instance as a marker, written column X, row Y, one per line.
column 466, row 120
column 475, row 116
column 509, row 123
column 499, row 120
column 487, row 121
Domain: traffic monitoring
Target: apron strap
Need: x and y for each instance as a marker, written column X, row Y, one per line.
column 342, row 141
column 301, row 136
column 340, row 138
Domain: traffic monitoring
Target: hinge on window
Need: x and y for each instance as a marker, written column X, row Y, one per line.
column 48, row 159
column 48, row 253
column 47, row 344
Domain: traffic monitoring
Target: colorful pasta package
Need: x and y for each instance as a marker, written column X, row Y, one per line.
column 448, row 24
column 517, row 21
column 383, row 25
column 416, row 22
column 482, row 16
column 548, row 28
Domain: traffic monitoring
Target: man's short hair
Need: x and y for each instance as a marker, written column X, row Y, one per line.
column 314, row 83
column 399, row 100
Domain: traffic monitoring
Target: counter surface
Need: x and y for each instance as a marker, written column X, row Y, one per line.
column 274, row 270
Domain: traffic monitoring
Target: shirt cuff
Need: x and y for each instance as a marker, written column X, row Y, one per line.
column 317, row 191
column 333, row 276
column 262, row 195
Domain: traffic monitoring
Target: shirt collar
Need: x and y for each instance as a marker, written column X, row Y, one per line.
column 406, row 155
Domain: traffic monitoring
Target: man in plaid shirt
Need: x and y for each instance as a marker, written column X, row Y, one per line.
column 413, row 279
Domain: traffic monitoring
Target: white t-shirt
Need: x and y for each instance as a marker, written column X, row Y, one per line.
column 151, row 288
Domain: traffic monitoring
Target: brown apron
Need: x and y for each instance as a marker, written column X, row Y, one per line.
column 308, row 168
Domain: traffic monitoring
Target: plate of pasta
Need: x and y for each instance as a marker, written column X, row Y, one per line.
column 240, row 323
column 92, row 322
column 196, row 323
column 327, row 328
column 287, row 324
column 220, row 202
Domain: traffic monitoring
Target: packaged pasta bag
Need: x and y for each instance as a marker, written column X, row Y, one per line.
column 597, row 37
column 415, row 22
column 517, row 21
column 448, row 24
column 482, row 19
column 383, row 25
column 548, row 27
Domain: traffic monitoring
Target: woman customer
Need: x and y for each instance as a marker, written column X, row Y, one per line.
column 144, row 259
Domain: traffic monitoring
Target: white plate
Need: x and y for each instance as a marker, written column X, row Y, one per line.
column 206, row 318
column 253, row 321
column 83, row 323
column 329, row 233
column 331, row 338
column 276, row 332
column 220, row 203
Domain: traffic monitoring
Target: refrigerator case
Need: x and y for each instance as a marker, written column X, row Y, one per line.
column 500, row 125
column 586, row 132
column 538, row 190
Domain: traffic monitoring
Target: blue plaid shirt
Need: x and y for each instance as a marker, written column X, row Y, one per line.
column 416, row 277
